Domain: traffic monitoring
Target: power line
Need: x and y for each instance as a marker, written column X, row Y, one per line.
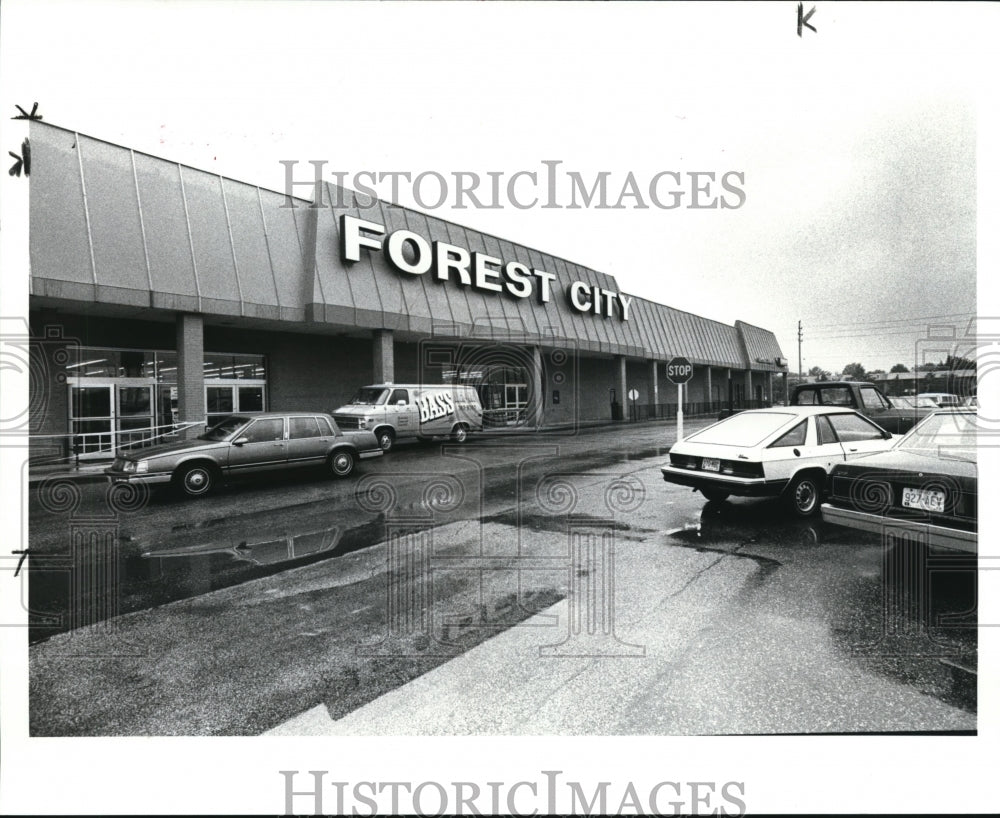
column 882, row 333
column 945, row 317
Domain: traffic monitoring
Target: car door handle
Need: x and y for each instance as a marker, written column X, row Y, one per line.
column 852, row 450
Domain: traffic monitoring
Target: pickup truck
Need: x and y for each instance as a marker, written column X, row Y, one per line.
column 863, row 397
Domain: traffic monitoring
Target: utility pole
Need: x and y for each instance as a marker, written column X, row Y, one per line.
column 800, row 351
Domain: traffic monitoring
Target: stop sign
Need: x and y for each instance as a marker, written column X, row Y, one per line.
column 679, row 370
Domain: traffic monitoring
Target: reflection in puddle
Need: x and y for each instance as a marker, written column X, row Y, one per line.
column 67, row 597
column 285, row 548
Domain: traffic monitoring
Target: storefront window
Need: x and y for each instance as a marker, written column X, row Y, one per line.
column 251, row 398
column 219, row 400
column 98, row 362
column 226, row 367
column 129, row 397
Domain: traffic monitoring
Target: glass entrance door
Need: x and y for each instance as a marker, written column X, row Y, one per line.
column 105, row 417
column 134, row 415
column 504, row 395
column 91, row 420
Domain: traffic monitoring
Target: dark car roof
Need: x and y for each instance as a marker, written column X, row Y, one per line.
column 824, row 384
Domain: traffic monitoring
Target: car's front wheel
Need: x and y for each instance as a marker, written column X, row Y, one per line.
column 804, row 495
column 341, row 463
column 715, row 495
column 459, row 433
column 196, row 480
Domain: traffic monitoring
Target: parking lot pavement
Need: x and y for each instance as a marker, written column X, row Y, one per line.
column 540, row 679
column 676, row 617
column 707, row 641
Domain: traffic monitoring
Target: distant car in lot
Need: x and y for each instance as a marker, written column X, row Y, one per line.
column 246, row 444
column 926, row 486
column 912, row 402
column 972, row 402
column 943, row 400
column 863, row 397
column 785, row 452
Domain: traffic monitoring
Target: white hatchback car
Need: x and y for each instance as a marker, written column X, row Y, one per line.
column 785, row 451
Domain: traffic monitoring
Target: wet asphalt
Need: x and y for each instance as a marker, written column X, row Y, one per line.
column 554, row 585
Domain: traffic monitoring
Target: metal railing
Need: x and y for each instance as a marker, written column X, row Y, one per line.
column 668, row 411
column 72, row 446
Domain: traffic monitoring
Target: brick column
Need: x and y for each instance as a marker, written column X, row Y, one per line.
column 621, row 384
column 749, row 382
column 191, row 371
column 537, row 392
column 383, row 362
column 708, row 385
column 654, row 386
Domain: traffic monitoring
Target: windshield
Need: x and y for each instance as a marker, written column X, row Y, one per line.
column 370, row 396
column 744, row 429
column 224, row 428
column 950, row 435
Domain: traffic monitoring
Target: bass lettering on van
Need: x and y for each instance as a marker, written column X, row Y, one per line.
column 434, row 406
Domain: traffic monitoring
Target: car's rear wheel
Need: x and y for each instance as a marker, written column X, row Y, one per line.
column 342, row 463
column 196, row 480
column 804, row 495
column 459, row 433
column 386, row 438
column 715, row 495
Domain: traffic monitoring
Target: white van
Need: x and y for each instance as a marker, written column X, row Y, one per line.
column 396, row 411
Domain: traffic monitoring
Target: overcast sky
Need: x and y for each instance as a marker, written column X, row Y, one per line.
column 858, row 149
column 857, row 143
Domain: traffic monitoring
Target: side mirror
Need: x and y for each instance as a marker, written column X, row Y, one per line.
column 401, row 403
column 207, row 428
column 240, row 441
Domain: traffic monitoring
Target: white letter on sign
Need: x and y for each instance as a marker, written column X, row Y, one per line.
column 394, row 250
column 579, row 297
column 351, row 240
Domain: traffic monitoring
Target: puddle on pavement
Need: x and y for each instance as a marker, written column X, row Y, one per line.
column 916, row 622
column 910, row 616
column 554, row 523
column 63, row 596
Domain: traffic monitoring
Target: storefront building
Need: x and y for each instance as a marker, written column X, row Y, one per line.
column 164, row 295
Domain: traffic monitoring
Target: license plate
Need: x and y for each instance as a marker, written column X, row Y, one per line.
column 925, row 499
column 710, row 464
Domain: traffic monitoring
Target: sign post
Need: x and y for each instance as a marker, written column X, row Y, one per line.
column 633, row 394
column 680, row 371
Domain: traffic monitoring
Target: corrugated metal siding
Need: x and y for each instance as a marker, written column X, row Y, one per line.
column 113, row 225
column 759, row 343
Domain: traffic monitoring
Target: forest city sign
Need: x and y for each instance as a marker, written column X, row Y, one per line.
column 410, row 253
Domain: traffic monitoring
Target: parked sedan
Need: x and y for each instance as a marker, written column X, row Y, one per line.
column 912, row 402
column 785, row 452
column 944, row 400
column 925, row 489
column 245, row 444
